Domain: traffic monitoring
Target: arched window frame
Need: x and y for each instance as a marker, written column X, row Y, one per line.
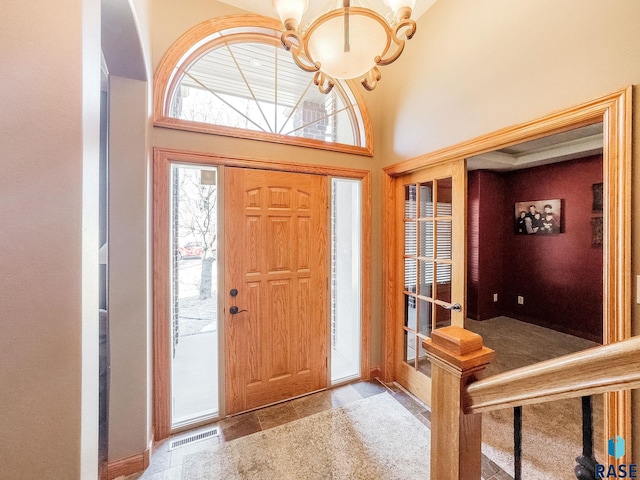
column 202, row 38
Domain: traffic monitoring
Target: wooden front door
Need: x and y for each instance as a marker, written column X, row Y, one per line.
column 430, row 224
column 276, row 261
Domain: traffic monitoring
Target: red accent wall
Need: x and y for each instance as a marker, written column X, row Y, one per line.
column 559, row 276
column 486, row 243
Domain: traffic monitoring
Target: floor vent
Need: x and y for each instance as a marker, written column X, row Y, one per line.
column 194, row 438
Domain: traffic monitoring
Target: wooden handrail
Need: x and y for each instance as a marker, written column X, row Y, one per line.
column 458, row 357
column 597, row 370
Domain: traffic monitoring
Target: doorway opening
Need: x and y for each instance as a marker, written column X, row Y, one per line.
column 535, row 273
column 181, row 317
column 535, row 233
column 613, row 111
column 194, row 294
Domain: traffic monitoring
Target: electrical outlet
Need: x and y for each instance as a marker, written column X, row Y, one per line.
column 520, row 300
column 495, row 297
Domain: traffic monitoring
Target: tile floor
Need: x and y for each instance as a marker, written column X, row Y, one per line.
column 166, row 464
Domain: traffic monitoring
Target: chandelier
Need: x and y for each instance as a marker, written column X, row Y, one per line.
column 347, row 41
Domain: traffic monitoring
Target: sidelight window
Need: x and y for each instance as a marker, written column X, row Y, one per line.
column 346, row 284
column 194, row 294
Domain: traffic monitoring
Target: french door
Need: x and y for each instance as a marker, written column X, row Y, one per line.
column 430, row 215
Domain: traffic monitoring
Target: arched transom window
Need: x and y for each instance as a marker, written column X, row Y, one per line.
column 232, row 76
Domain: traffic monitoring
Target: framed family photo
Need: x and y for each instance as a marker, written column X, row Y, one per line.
column 538, row 217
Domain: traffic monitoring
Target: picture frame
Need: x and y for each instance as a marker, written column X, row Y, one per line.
column 597, row 189
column 538, row 217
column 597, row 232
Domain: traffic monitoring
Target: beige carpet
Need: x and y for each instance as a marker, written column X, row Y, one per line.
column 374, row 438
column 551, row 432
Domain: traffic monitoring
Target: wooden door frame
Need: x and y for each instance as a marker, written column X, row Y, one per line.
column 163, row 158
column 614, row 111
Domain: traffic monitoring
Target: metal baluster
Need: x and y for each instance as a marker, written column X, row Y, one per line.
column 517, row 442
column 586, row 468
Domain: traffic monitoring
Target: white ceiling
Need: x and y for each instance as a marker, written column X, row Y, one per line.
column 317, row 7
column 569, row 145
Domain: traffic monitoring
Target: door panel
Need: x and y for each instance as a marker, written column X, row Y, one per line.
column 276, row 244
column 431, row 216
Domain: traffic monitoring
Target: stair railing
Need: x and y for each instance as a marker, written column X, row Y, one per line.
column 459, row 397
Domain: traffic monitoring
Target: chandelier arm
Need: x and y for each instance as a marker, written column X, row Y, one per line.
column 410, row 26
column 407, row 23
column 297, row 52
column 325, row 84
column 370, row 81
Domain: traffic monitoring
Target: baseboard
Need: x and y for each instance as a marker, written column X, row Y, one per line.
column 126, row 466
column 558, row 328
column 130, row 465
column 375, row 372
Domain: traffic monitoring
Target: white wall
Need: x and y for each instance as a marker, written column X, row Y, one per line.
column 126, row 45
column 474, row 67
column 49, row 125
column 129, row 400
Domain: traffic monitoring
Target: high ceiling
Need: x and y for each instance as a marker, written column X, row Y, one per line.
column 317, row 7
column 551, row 149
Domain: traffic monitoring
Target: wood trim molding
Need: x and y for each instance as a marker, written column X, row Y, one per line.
column 161, row 298
column 179, row 54
column 365, row 361
column 390, row 285
column 129, row 465
column 586, row 114
column 182, row 156
column 614, row 111
column 617, row 249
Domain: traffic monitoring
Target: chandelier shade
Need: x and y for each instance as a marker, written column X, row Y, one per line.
column 367, row 38
column 347, row 42
column 291, row 10
column 397, row 5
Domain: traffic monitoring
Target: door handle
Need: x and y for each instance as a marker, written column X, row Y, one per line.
column 456, row 307
column 235, row 310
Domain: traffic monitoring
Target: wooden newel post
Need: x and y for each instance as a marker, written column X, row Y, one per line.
column 457, row 356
